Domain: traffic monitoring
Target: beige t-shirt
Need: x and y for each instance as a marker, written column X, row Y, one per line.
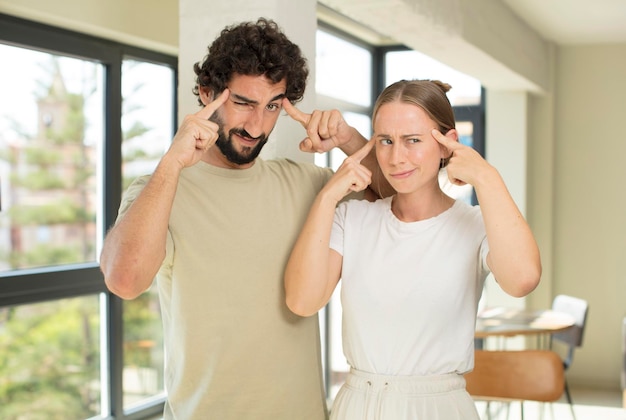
column 233, row 348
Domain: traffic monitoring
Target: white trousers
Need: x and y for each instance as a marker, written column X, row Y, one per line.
column 367, row 396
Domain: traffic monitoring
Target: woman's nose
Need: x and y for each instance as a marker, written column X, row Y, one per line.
column 397, row 153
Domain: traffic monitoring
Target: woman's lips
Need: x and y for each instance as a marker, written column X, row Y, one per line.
column 402, row 175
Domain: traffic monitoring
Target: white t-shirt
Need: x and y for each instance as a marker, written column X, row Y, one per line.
column 410, row 291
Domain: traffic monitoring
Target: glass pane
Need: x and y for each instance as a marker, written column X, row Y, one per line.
column 143, row 348
column 147, row 125
column 50, row 360
column 147, row 116
column 415, row 65
column 343, row 70
column 50, row 137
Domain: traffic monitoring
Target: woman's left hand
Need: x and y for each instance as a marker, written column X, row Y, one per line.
column 465, row 164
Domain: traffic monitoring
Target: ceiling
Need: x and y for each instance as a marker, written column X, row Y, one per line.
column 563, row 22
column 567, row 22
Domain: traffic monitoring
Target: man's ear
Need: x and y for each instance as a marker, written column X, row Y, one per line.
column 206, row 95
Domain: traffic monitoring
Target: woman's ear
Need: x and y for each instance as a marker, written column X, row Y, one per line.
column 206, row 95
column 451, row 134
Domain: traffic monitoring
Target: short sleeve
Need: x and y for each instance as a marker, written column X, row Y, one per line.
column 131, row 194
column 484, row 251
column 336, row 233
column 129, row 197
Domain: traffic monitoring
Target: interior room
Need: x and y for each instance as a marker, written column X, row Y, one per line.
column 549, row 78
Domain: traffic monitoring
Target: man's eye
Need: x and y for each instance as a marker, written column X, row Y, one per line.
column 385, row 141
column 273, row 107
column 413, row 141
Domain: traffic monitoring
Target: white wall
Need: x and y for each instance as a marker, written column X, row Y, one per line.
column 590, row 199
column 136, row 22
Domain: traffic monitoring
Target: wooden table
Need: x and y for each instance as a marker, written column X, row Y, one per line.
column 509, row 322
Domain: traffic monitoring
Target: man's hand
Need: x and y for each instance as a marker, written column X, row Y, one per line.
column 196, row 134
column 325, row 129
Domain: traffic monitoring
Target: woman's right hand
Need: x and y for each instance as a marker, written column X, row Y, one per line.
column 351, row 176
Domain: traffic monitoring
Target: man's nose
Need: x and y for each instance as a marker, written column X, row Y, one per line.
column 254, row 123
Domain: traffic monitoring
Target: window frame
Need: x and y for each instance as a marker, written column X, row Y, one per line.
column 67, row 281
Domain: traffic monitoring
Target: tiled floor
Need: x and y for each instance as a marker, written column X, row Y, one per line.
column 588, row 405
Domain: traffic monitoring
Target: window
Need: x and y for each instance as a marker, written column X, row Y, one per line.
column 71, row 350
column 343, row 81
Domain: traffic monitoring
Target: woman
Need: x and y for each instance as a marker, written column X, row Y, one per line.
column 413, row 265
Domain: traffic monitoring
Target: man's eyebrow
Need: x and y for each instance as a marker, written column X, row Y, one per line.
column 280, row 96
column 403, row 136
column 241, row 98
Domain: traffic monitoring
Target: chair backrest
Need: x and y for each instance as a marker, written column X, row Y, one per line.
column 577, row 308
column 526, row 375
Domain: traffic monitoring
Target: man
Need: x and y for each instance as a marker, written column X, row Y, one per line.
column 215, row 225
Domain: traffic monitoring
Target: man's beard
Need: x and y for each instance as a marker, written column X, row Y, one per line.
column 225, row 144
column 247, row 154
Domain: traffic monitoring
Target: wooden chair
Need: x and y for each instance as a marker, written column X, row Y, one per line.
column 521, row 375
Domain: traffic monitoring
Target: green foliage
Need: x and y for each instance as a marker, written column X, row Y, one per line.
column 74, row 128
column 50, row 362
column 46, row 255
column 137, row 129
column 142, row 323
column 8, row 155
column 63, row 211
column 134, row 155
column 37, row 179
column 41, row 156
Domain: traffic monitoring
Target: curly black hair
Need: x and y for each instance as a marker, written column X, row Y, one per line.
column 253, row 49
